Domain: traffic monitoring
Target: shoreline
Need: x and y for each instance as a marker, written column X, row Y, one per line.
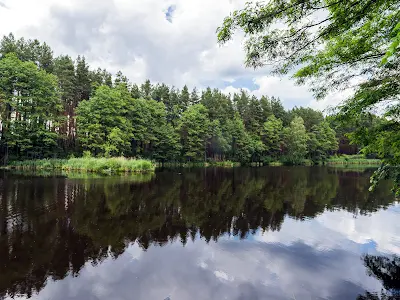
column 86, row 165
column 115, row 165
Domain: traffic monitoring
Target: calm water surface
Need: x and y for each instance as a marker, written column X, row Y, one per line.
column 245, row 233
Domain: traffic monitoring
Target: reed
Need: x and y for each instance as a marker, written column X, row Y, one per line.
column 352, row 160
column 223, row 164
column 88, row 164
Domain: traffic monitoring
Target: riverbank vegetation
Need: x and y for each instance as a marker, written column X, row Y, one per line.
column 352, row 160
column 87, row 164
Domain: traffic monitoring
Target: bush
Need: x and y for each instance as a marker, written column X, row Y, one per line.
column 266, row 160
column 89, row 164
column 289, row 160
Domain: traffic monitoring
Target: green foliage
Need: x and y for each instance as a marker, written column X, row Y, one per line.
column 145, row 90
column 86, row 112
column 240, row 140
column 218, row 143
column 28, row 50
column 352, row 160
column 167, row 146
column 310, row 116
column 103, row 126
column 194, row 97
column 279, row 111
column 322, row 142
column 351, row 32
column 48, row 164
column 194, row 130
column 88, row 164
column 29, row 108
column 82, row 76
column 333, row 45
column 295, row 139
column 272, row 135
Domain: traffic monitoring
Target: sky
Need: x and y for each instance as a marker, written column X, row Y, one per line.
column 169, row 41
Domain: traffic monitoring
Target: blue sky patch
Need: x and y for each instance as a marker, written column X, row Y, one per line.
column 169, row 13
column 242, row 82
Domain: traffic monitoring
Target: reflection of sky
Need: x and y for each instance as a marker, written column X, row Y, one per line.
column 340, row 230
column 315, row 259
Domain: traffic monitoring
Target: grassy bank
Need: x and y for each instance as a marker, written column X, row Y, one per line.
column 352, row 160
column 125, row 165
column 223, row 164
column 88, row 164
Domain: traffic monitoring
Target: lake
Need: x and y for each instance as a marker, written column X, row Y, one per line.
column 242, row 233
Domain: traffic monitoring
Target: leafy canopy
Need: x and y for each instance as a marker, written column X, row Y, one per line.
column 332, row 45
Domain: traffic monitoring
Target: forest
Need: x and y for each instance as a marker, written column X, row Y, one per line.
column 59, row 107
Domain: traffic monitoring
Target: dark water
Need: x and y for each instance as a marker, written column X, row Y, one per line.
column 261, row 233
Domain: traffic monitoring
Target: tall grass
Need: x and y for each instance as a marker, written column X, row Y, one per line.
column 88, row 164
column 352, row 160
column 40, row 164
column 224, row 164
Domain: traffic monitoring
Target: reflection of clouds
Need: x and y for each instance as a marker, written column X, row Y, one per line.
column 223, row 276
column 317, row 258
column 135, row 251
column 228, row 269
column 340, row 229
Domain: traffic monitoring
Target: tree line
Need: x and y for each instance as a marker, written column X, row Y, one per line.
column 59, row 107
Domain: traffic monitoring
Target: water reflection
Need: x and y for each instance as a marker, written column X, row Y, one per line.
column 54, row 229
column 387, row 270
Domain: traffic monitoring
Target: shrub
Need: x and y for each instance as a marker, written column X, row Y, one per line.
column 89, row 164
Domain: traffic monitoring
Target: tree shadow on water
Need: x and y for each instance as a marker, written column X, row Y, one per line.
column 387, row 271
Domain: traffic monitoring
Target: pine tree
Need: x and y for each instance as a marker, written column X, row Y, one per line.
column 194, row 97
column 64, row 69
column 82, row 79
column 184, row 98
column 194, row 130
column 146, row 90
column 135, row 92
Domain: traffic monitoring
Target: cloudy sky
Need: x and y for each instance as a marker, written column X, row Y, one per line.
column 170, row 41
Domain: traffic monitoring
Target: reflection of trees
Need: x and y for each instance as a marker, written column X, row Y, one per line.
column 386, row 270
column 37, row 240
column 51, row 227
column 354, row 197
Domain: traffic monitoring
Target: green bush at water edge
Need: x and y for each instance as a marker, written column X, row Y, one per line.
column 353, row 159
column 88, row 164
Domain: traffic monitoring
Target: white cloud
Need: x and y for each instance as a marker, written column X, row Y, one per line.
column 232, row 90
column 223, row 276
column 338, row 230
column 284, row 88
column 291, row 94
column 136, row 37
